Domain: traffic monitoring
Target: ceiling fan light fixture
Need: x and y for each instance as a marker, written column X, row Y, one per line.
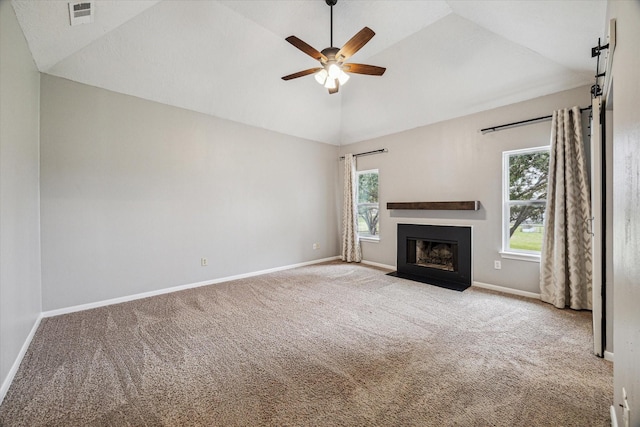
column 330, row 83
column 321, row 76
column 343, row 77
column 334, row 71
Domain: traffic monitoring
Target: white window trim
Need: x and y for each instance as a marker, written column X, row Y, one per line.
column 369, row 239
column 373, row 239
column 506, row 251
column 521, row 256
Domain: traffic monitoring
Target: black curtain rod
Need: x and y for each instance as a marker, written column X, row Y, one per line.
column 368, row 153
column 523, row 122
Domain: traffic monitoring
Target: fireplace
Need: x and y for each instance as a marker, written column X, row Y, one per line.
column 436, row 254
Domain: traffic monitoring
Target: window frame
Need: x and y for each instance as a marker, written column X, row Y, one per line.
column 507, row 251
column 371, row 238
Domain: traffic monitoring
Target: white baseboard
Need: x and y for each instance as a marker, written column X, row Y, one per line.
column 127, row 298
column 16, row 364
column 506, row 290
column 377, row 264
column 608, row 356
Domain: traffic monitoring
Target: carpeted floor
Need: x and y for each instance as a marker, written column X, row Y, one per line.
column 326, row 345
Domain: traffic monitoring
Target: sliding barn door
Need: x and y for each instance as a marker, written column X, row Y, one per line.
column 597, row 226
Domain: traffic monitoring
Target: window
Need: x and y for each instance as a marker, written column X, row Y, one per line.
column 525, row 178
column 368, row 207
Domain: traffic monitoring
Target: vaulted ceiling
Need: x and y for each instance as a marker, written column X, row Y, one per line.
column 444, row 59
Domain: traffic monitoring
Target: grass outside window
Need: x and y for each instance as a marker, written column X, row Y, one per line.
column 527, row 238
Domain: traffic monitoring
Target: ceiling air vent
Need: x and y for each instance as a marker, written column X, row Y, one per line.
column 81, row 12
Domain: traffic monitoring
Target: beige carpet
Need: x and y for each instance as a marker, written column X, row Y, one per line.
column 327, row 345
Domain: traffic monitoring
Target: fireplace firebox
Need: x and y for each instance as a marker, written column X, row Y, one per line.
column 436, row 254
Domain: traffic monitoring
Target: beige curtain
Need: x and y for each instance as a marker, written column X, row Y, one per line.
column 565, row 265
column 350, row 244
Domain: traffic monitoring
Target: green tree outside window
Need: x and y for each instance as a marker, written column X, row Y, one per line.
column 368, row 206
column 526, row 198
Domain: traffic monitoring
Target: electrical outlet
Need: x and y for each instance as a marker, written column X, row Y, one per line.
column 316, row 246
column 497, row 265
column 204, row 262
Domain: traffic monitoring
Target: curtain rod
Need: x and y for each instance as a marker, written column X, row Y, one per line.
column 522, row 122
column 368, row 153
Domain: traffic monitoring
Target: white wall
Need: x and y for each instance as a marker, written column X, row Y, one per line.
column 626, row 204
column 609, row 281
column 19, row 191
column 134, row 193
column 452, row 160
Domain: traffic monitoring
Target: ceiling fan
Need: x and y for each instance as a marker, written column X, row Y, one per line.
column 333, row 71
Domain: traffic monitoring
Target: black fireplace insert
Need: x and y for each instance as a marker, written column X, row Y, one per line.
column 436, row 254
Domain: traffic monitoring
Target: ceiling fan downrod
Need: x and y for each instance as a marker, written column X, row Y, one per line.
column 331, row 3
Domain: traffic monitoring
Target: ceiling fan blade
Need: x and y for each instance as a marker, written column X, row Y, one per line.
column 370, row 70
column 302, row 73
column 314, row 53
column 355, row 44
column 335, row 89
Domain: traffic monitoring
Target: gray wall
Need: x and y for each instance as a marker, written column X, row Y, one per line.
column 134, row 193
column 19, row 191
column 452, row 160
column 626, row 204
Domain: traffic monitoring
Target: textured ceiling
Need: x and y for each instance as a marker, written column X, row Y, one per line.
column 444, row 59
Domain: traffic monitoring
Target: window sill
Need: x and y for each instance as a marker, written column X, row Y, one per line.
column 369, row 239
column 520, row 256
